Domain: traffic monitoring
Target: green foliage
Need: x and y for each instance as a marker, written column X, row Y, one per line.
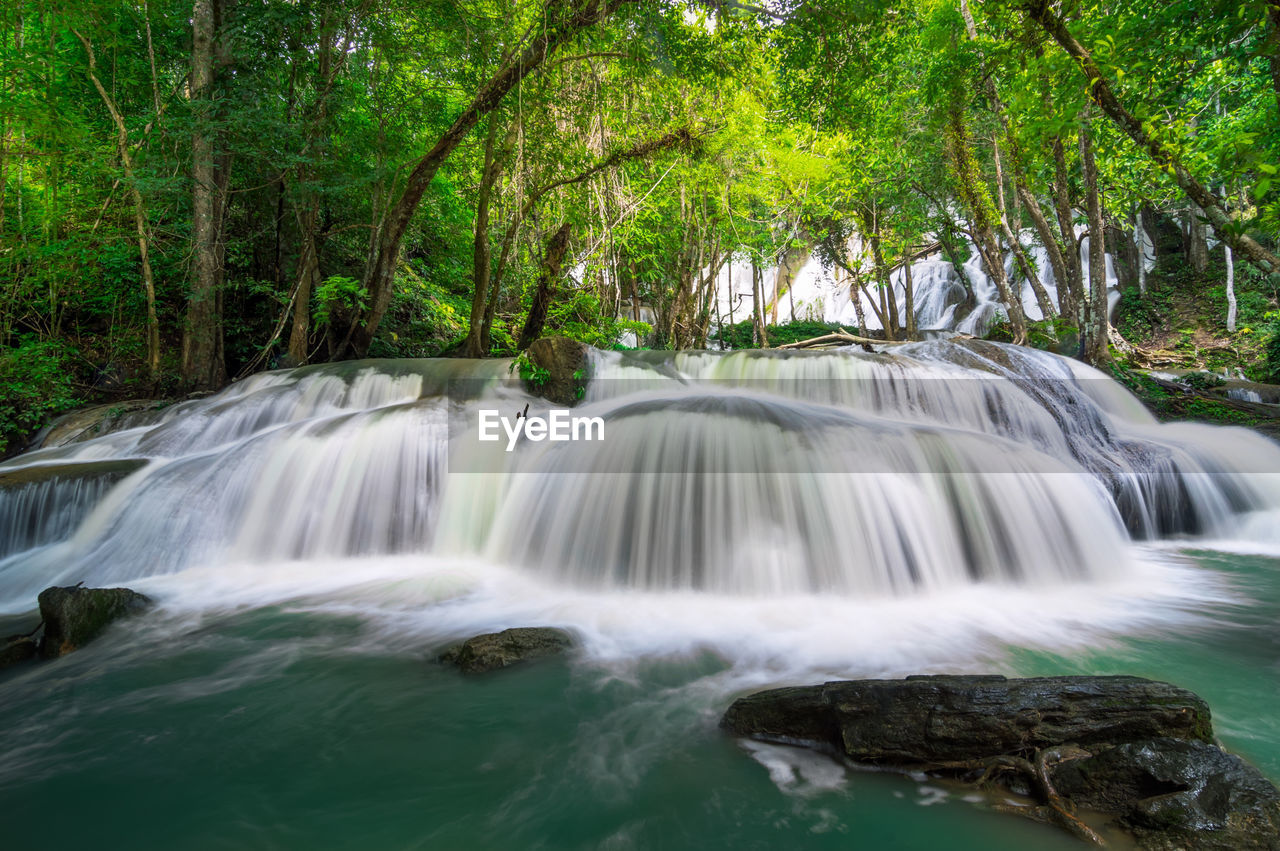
column 35, row 384
column 337, row 295
column 530, row 372
column 1271, row 362
column 1190, row 404
column 582, row 316
column 1202, row 380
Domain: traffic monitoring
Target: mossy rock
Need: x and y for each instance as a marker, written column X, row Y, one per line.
column 559, row 370
column 496, row 650
column 75, row 616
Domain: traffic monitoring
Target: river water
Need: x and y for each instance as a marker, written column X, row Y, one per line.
column 314, row 539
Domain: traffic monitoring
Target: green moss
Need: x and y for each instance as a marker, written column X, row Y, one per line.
column 1169, row 404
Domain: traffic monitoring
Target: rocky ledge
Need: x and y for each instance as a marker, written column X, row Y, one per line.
column 502, row 649
column 1139, row 752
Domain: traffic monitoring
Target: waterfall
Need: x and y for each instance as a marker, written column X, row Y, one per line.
column 939, row 293
column 944, row 464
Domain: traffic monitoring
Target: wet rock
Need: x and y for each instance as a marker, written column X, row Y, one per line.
column 75, row 616
column 1174, row 793
column 1137, row 751
column 925, row 720
column 16, row 649
column 509, row 647
column 560, row 369
column 112, row 469
column 95, row 421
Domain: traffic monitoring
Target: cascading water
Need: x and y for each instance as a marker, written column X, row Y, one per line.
column 941, row 300
column 939, row 466
column 750, row 519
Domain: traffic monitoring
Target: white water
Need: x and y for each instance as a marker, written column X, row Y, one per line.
column 820, row 294
column 903, row 511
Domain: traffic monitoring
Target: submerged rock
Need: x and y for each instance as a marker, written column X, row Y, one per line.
column 561, row 368
column 75, row 616
column 1136, row 750
column 17, row 648
column 509, row 647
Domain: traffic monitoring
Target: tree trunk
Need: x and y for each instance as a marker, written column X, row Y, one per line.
column 792, row 261
column 1071, row 289
column 308, row 278
column 1096, row 350
column 202, row 365
column 975, row 197
column 1160, row 153
column 1197, row 242
column 638, row 151
column 1140, row 243
column 1231, row 291
column 551, row 263
column 1047, row 238
column 910, row 292
column 563, row 19
column 480, row 266
column 140, row 221
column 888, row 298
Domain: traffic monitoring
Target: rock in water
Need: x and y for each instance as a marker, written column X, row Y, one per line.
column 1177, row 794
column 565, row 363
column 925, row 720
column 75, row 616
column 17, row 648
column 1135, row 749
column 509, row 647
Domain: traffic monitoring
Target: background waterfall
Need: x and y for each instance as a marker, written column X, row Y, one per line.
column 754, row 473
column 940, row 296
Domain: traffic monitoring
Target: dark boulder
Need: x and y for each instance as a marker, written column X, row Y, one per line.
column 75, row 616
column 560, row 369
column 1173, row 794
column 1135, row 750
column 509, row 647
column 925, row 720
column 16, row 649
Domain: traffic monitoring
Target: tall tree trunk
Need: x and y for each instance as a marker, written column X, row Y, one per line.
column 1071, row 289
column 1161, row 154
column 202, row 365
column 1048, row 239
column 792, row 261
column 547, row 280
column 140, row 221
column 480, row 266
column 1231, row 290
column 564, row 19
column 910, row 291
column 308, row 279
column 1197, row 241
column 1096, row 338
column 985, row 220
column 888, row 298
column 757, row 306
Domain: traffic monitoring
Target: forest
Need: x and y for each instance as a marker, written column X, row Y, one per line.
column 192, row 191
